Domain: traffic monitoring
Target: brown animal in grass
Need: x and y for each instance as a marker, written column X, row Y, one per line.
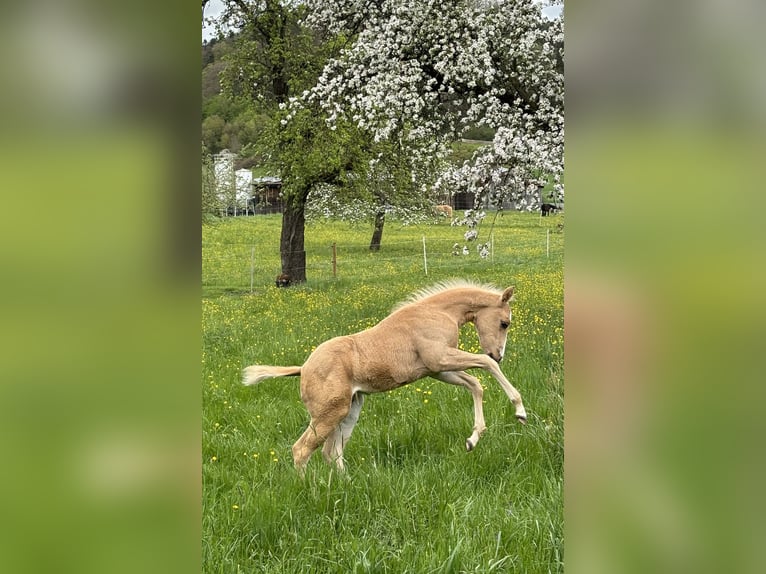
column 443, row 210
column 418, row 339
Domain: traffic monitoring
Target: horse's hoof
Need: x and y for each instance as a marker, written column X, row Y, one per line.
column 469, row 445
column 522, row 419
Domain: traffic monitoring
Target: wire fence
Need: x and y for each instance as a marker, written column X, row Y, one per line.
column 248, row 266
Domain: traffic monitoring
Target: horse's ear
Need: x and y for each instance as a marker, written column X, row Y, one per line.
column 507, row 295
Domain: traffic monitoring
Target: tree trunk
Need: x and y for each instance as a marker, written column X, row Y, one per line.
column 377, row 233
column 291, row 245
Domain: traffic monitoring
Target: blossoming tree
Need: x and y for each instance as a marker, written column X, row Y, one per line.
column 422, row 72
column 398, row 81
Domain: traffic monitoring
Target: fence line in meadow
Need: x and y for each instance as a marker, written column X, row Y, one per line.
column 248, row 265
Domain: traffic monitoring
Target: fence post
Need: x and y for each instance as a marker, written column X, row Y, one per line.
column 334, row 261
column 252, row 267
column 548, row 243
column 425, row 258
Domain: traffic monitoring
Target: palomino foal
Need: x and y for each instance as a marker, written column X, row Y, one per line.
column 418, row 339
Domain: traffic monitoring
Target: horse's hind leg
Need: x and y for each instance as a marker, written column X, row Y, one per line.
column 326, row 415
column 336, row 442
column 311, row 439
column 474, row 386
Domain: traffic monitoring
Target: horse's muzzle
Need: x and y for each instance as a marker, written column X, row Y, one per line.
column 494, row 358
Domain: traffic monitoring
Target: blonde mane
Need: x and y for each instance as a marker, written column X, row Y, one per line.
column 442, row 286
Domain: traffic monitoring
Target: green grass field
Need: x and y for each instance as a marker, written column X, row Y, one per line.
column 413, row 499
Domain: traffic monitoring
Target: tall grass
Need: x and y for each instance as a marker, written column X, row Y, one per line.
column 413, row 500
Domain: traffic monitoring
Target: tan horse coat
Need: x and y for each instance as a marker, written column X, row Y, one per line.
column 443, row 210
column 419, row 338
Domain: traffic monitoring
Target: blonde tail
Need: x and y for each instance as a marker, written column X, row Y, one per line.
column 256, row 373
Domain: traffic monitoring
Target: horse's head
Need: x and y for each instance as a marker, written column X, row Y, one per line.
column 492, row 324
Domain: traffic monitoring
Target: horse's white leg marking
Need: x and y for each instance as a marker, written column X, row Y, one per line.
column 474, row 386
column 451, row 359
column 336, row 442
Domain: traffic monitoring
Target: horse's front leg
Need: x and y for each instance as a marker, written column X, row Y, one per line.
column 474, row 386
column 451, row 359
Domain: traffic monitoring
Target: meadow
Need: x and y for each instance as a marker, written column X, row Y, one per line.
column 413, row 499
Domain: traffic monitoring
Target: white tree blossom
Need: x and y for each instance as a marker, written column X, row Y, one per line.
column 423, row 72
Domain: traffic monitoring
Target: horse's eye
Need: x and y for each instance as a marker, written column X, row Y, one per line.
column 504, row 324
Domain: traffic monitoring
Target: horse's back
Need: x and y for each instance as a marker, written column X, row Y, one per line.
column 365, row 361
column 383, row 357
column 330, row 358
column 327, row 371
column 386, row 357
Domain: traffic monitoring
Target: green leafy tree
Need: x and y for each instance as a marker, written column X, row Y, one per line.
column 272, row 57
column 310, row 156
column 211, row 204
